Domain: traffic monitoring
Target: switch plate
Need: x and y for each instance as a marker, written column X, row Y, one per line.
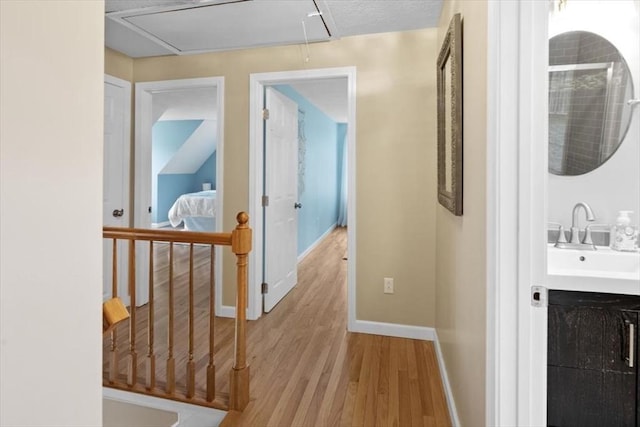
column 388, row 285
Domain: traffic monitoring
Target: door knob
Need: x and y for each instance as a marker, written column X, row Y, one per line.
column 297, row 206
column 118, row 212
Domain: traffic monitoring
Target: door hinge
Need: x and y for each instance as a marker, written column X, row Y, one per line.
column 265, row 288
column 265, row 114
column 539, row 296
column 265, row 201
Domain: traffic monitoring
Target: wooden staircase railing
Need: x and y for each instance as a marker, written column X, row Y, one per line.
column 120, row 348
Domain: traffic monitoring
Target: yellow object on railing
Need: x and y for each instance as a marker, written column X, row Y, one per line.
column 180, row 308
column 113, row 312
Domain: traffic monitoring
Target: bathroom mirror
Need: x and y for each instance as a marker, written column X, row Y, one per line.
column 589, row 86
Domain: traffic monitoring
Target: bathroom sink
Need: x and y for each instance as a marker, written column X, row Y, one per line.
column 603, row 263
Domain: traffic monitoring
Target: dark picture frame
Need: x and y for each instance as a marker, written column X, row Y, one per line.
column 449, row 90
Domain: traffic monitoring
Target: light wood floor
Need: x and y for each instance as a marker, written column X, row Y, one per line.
column 307, row 370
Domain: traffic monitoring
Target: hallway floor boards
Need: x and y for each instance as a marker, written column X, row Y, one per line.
column 307, row 370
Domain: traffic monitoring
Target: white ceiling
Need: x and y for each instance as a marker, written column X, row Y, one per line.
column 144, row 28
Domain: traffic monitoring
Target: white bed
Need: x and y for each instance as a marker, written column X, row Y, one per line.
column 196, row 210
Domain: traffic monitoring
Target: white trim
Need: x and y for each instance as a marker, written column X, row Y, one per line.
column 257, row 82
column 448, row 392
column 394, row 330
column 229, row 311
column 185, row 411
column 160, row 224
column 226, row 311
column 502, row 154
column 516, row 212
column 532, row 211
column 143, row 116
column 317, row 242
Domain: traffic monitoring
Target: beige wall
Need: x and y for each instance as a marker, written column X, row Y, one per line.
column 51, row 115
column 461, row 253
column 395, row 155
column 118, row 65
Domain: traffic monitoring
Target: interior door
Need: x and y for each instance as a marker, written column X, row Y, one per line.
column 281, row 187
column 115, row 195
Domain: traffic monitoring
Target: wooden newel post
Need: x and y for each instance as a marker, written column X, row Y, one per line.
column 241, row 246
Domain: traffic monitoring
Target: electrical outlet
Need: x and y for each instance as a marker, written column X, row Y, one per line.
column 388, row 285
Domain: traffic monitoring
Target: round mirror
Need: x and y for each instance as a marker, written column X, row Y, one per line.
column 589, row 86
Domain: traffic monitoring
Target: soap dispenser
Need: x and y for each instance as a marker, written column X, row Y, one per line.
column 624, row 236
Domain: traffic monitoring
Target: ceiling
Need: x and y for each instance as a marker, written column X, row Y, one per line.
column 145, row 28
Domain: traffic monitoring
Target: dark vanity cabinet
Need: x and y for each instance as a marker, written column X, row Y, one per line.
column 592, row 373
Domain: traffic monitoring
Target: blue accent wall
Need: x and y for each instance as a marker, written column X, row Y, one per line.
column 341, row 135
column 171, row 187
column 321, row 181
column 206, row 173
column 166, row 139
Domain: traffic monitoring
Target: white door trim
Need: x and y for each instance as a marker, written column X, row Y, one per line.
column 257, row 82
column 516, row 212
column 142, row 190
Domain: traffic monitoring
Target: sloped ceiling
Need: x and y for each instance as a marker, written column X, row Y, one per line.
column 142, row 28
column 186, row 104
column 194, row 152
column 189, row 104
column 329, row 95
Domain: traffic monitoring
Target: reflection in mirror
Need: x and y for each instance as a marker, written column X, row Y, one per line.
column 589, row 86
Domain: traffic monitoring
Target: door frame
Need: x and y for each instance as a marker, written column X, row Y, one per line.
column 126, row 160
column 257, row 83
column 142, row 163
column 517, row 106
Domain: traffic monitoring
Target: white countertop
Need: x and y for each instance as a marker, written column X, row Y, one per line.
column 597, row 274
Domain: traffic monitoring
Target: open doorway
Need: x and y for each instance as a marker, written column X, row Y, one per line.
column 298, row 86
column 179, row 147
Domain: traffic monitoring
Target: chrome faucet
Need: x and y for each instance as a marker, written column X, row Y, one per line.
column 575, row 229
column 574, row 241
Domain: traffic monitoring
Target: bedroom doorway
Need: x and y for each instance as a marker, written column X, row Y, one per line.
column 258, row 83
column 179, row 149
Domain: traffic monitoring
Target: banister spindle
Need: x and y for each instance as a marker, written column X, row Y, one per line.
column 191, row 365
column 113, row 356
column 171, row 362
column 211, row 367
column 239, row 385
column 132, row 371
column 151, row 357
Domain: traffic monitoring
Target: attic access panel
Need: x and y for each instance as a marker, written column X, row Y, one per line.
column 234, row 25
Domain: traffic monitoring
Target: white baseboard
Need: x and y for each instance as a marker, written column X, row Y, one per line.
column 226, row 311
column 317, row 242
column 160, row 224
column 393, row 330
column 230, row 312
column 455, row 421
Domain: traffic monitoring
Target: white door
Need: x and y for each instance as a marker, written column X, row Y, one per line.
column 281, row 186
column 115, row 196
